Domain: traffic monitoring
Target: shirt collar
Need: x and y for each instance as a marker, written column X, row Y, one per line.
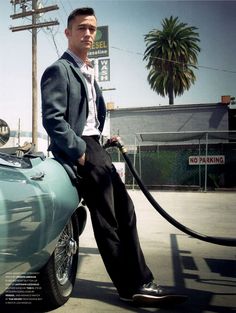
column 79, row 61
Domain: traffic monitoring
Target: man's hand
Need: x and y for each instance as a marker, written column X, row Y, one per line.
column 112, row 142
column 114, row 139
column 81, row 160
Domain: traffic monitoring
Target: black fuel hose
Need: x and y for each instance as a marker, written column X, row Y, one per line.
column 223, row 241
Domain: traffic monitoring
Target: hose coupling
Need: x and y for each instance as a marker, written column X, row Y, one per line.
column 115, row 142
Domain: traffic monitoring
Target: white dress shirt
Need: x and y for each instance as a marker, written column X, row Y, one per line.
column 92, row 123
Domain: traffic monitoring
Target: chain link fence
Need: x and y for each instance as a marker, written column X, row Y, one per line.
column 183, row 160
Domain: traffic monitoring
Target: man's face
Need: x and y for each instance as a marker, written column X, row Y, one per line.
column 81, row 33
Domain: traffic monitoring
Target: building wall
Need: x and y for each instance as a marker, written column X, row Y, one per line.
column 200, row 117
column 168, row 165
column 129, row 121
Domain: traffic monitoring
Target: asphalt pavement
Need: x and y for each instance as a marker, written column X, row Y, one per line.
column 205, row 272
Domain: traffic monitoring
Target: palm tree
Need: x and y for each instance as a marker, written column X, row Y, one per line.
column 171, row 54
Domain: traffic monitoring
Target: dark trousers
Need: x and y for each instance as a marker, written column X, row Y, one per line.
column 113, row 219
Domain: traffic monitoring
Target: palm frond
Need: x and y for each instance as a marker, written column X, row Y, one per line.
column 171, row 54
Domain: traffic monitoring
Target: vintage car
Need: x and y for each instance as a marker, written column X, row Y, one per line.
column 41, row 218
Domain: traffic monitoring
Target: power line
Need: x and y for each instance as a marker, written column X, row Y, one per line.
column 52, row 36
column 63, row 7
column 176, row 62
column 62, row 19
column 49, row 32
column 70, row 5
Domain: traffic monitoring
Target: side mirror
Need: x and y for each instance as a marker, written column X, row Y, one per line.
column 4, row 133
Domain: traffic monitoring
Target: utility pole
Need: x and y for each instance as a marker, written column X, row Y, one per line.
column 31, row 8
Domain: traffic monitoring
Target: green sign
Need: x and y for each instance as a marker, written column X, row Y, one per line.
column 104, row 70
column 100, row 46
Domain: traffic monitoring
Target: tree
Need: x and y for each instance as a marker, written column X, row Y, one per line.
column 171, row 54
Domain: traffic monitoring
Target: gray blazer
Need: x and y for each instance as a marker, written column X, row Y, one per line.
column 65, row 108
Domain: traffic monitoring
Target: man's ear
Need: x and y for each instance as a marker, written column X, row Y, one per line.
column 67, row 32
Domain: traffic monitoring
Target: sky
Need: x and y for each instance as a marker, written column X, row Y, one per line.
column 128, row 21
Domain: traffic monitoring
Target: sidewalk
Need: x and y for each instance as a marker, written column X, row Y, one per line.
column 204, row 271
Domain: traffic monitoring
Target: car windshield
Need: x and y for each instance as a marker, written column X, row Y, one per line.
column 14, row 161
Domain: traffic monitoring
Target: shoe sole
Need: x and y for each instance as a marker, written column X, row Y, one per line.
column 149, row 300
column 126, row 299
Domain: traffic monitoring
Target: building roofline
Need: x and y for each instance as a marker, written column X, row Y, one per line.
column 169, row 107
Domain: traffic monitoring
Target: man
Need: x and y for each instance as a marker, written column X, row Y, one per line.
column 74, row 112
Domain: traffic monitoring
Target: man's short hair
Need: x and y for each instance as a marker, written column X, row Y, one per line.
column 79, row 11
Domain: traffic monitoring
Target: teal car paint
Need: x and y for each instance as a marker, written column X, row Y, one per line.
column 37, row 201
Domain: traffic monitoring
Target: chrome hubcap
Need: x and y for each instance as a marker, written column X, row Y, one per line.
column 71, row 248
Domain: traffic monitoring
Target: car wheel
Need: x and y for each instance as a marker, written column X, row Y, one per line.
column 58, row 276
